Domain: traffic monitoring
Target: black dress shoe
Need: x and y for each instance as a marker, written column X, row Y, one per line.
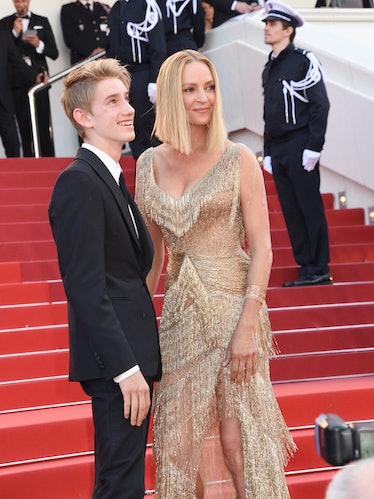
column 309, row 280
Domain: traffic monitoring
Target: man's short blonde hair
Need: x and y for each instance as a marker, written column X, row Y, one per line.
column 171, row 125
column 80, row 85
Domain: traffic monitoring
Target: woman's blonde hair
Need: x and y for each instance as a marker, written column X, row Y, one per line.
column 171, row 125
column 80, row 85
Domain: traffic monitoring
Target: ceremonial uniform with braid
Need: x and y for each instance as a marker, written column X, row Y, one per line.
column 184, row 24
column 296, row 107
column 137, row 40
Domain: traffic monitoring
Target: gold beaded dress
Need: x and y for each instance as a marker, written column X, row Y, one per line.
column 206, row 279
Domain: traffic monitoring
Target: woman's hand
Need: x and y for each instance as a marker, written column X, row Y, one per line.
column 242, row 355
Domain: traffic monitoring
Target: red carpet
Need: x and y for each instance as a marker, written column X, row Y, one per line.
column 325, row 334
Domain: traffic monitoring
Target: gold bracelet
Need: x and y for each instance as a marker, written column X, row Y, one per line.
column 254, row 292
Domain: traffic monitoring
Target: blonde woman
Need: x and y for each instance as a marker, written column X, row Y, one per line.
column 218, row 429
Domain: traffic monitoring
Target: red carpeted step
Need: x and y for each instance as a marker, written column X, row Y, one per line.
column 342, row 253
column 10, row 272
column 31, row 292
column 60, row 478
column 30, row 179
column 37, row 270
column 350, row 397
column 325, row 339
column 311, row 485
column 341, row 272
column 25, row 195
column 314, row 295
column 293, row 367
column 43, row 433
column 34, row 365
column 306, row 456
column 37, row 314
column 24, row 213
column 34, row 339
column 21, row 252
column 274, row 204
column 316, row 315
column 25, row 232
column 39, row 393
column 337, row 235
column 335, row 218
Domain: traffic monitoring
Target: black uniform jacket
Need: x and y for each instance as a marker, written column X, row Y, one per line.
column 187, row 23
column 310, row 117
column 84, row 30
column 141, row 53
column 103, row 264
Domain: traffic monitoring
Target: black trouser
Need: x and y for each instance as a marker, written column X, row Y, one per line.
column 119, row 447
column 302, row 205
column 9, row 134
column 144, row 111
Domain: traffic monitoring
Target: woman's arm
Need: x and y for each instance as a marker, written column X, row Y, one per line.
column 242, row 349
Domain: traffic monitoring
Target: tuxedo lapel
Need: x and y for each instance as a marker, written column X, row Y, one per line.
column 102, row 171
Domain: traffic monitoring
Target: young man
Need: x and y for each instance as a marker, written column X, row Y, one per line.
column 296, row 107
column 105, row 254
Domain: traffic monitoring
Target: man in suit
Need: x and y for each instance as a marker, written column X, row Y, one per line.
column 35, row 41
column 227, row 9
column 105, row 254
column 10, row 58
column 84, row 26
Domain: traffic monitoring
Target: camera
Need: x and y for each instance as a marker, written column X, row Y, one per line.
column 339, row 442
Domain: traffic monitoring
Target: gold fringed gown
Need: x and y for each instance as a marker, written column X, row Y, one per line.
column 204, row 292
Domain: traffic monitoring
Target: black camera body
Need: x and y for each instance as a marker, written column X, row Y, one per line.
column 339, row 443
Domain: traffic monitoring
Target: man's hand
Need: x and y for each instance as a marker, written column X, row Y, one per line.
column 33, row 40
column 310, row 159
column 136, row 398
column 17, row 26
column 42, row 77
column 244, row 8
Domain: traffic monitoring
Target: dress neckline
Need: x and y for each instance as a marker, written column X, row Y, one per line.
column 193, row 187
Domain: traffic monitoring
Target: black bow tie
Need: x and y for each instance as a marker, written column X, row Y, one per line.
column 25, row 17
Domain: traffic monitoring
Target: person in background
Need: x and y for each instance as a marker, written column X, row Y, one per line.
column 10, row 58
column 184, row 24
column 209, row 15
column 227, row 9
column 84, row 26
column 296, row 108
column 216, row 416
column 137, row 40
column 105, row 253
column 354, row 481
column 35, row 41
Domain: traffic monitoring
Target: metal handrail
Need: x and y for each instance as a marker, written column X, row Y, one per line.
column 36, row 88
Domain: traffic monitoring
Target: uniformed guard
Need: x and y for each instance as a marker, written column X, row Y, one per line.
column 184, row 24
column 137, row 40
column 296, row 107
column 84, row 26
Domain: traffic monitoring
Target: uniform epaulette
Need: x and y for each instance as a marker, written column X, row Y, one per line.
column 302, row 51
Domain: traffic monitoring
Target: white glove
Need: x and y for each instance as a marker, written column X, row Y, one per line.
column 267, row 164
column 310, row 159
column 152, row 92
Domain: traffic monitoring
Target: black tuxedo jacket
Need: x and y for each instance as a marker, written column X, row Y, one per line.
column 84, row 30
column 42, row 26
column 9, row 57
column 103, row 264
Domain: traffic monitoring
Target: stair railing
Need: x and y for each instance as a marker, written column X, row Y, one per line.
column 36, row 88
